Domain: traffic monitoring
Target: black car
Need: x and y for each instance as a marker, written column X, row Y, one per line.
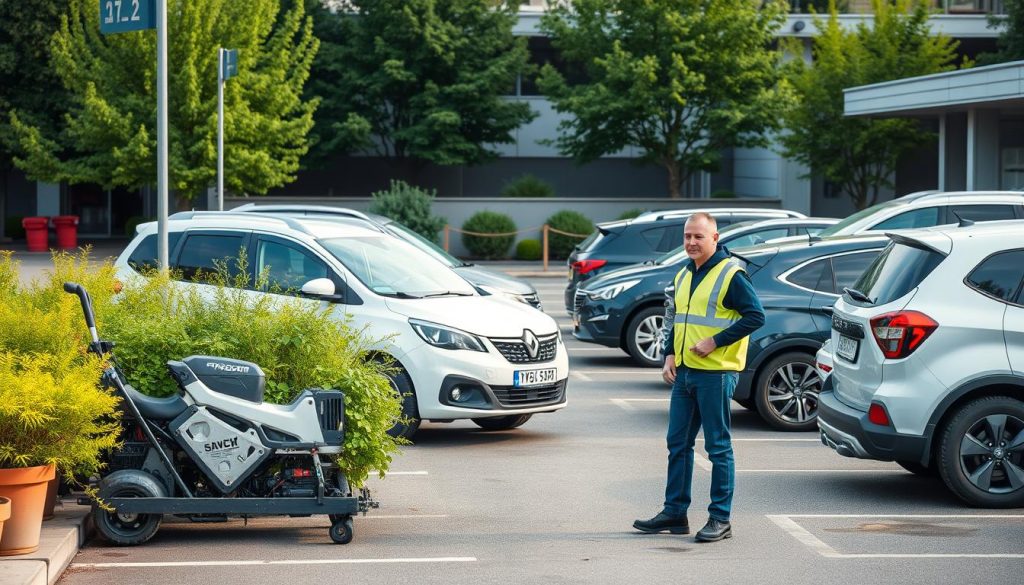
column 622, row 243
column 797, row 283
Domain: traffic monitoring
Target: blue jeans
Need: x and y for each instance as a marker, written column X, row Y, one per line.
column 700, row 398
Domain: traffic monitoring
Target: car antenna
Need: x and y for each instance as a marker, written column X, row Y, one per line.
column 963, row 222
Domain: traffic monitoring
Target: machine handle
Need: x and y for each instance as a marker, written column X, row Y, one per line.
column 83, row 296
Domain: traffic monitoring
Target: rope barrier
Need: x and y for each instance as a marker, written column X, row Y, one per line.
column 545, row 231
column 494, row 235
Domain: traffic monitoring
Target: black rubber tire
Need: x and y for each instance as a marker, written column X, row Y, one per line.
column 402, row 384
column 917, row 469
column 342, row 531
column 502, row 423
column 128, row 530
column 632, row 348
column 949, row 461
column 761, row 391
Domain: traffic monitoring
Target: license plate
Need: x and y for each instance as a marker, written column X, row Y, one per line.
column 847, row 348
column 522, row 378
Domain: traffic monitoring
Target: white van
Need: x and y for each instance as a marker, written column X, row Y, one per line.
column 460, row 354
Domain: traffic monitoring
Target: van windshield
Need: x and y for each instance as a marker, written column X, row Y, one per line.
column 423, row 244
column 844, row 227
column 391, row 267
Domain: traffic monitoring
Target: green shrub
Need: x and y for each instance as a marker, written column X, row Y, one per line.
column 410, row 206
column 573, row 222
column 133, row 222
column 723, row 194
column 631, row 213
column 529, row 250
column 53, row 409
column 13, row 228
column 489, row 222
column 295, row 343
column 528, row 186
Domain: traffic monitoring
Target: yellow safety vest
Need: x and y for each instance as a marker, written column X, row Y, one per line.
column 702, row 316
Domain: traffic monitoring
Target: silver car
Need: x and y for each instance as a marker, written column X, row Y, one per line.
column 928, row 361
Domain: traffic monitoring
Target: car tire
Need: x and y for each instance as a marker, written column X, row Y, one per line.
column 410, row 423
column 776, row 396
column 643, row 337
column 978, row 459
column 502, row 423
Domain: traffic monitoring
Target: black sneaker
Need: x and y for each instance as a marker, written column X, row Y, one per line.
column 663, row 522
column 714, row 531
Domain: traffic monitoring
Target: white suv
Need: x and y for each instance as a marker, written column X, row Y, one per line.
column 460, row 355
column 928, row 361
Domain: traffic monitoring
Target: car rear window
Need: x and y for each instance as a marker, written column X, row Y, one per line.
column 899, row 269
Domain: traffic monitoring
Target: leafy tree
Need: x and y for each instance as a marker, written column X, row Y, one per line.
column 27, row 84
column 419, row 79
column 1011, row 37
column 678, row 79
column 109, row 133
column 859, row 155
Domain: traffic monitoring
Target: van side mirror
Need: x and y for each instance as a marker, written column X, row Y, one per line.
column 321, row 288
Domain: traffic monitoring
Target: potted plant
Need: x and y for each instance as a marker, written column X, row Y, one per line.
column 54, row 414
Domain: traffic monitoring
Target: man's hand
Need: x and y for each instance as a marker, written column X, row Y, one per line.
column 668, row 371
column 704, row 347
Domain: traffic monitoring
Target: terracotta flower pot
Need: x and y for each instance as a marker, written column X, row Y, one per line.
column 51, row 498
column 26, row 488
column 5, row 513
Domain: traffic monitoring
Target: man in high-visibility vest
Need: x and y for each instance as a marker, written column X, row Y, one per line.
column 716, row 310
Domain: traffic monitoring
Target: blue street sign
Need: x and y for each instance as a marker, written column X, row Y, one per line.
column 118, row 16
column 229, row 63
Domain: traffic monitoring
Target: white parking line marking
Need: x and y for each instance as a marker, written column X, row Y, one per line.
column 786, row 522
column 624, row 403
column 702, row 461
column 581, row 376
column 282, row 562
column 403, row 516
column 622, row 372
column 822, row 470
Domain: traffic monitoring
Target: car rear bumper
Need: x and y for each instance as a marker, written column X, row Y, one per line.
column 848, row 431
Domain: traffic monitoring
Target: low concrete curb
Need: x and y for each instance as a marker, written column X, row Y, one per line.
column 59, row 542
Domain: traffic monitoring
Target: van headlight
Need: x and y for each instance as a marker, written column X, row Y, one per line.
column 446, row 337
column 606, row 293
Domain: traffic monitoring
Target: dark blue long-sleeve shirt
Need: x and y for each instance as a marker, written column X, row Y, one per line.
column 739, row 297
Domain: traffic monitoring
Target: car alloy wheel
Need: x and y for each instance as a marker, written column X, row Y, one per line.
column 992, row 454
column 644, row 337
column 788, row 392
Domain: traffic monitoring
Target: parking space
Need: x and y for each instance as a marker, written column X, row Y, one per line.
column 554, row 501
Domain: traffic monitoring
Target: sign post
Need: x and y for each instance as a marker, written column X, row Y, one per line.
column 120, row 16
column 227, row 67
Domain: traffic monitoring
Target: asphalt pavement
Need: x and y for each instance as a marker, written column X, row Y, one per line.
column 554, row 501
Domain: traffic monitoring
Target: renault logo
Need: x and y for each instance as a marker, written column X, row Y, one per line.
column 532, row 343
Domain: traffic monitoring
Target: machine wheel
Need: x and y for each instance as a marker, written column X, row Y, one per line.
column 128, row 529
column 787, row 392
column 502, row 423
column 402, row 384
column 981, row 452
column 643, row 337
column 342, row 530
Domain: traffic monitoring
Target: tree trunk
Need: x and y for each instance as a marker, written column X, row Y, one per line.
column 673, row 179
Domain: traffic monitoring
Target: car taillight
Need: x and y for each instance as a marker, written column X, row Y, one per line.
column 824, row 368
column 877, row 415
column 585, row 266
column 898, row 334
